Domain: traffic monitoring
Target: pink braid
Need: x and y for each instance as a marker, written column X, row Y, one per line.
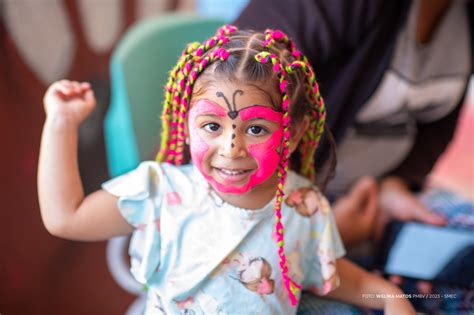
column 316, row 128
column 312, row 136
column 272, row 36
column 167, row 115
column 218, row 53
column 172, row 142
column 291, row 286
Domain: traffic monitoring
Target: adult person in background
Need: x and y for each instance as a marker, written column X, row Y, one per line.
column 395, row 75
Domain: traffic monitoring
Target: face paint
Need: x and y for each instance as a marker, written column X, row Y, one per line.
column 198, row 146
column 264, row 153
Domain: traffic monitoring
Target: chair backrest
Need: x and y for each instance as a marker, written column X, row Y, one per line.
column 140, row 66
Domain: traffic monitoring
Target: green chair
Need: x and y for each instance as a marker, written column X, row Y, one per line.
column 139, row 69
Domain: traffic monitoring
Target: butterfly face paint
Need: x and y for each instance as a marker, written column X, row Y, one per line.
column 225, row 148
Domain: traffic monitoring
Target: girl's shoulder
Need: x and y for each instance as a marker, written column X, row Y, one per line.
column 150, row 175
column 306, row 201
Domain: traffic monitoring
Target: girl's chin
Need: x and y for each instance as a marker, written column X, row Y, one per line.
column 231, row 189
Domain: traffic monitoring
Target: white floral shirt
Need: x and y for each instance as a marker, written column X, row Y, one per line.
column 200, row 255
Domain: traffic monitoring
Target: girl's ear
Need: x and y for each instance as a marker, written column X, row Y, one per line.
column 186, row 129
column 297, row 133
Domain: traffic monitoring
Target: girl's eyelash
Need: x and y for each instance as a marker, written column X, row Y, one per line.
column 213, row 127
column 210, row 126
column 263, row 129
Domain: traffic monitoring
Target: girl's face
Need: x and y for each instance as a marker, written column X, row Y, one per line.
column 235, row 137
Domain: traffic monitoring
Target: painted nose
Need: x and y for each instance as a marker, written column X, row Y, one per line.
column 234, row 147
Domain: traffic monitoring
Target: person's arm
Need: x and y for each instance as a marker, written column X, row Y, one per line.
column 433, row 137
column 431, row 141
column 372, row 205
column 362, row 288
column 66, row 212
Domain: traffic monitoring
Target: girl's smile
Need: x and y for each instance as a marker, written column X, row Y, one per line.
column 233, row 176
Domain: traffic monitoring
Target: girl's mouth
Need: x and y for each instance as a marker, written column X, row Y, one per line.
column 232, row 176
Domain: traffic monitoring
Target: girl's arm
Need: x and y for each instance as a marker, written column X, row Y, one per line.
column 66, row 212
column 360, row 287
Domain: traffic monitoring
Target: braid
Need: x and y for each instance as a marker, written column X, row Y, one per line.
column 263, row 57
column 219, row 53
column 272, row 36
column 313, row 134
column 310, row 139
column 167, row 115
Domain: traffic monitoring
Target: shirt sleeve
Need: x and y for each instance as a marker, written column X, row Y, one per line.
column 431, row 141
column 140, row 195
column 322, row 276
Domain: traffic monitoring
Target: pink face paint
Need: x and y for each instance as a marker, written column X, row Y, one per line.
column 198, row 146
column 265, row 153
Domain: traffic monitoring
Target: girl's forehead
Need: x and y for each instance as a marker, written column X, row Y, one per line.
column 231, row 95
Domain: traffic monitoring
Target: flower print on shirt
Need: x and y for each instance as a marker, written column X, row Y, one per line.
column 173, row 198
column 305, row 200
column 155, row 300
column 255, row 276
column 328, row 270
column 294, row 263
column 186, row 306
column 209, row 304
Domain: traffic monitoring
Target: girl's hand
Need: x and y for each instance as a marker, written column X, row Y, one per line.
column 396, row 306
column 69, row 100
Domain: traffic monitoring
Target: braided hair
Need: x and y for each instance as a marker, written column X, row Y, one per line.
column 247, row 56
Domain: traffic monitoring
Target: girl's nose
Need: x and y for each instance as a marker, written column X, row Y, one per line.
column 235, row 147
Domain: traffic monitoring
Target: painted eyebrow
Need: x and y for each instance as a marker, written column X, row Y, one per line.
column 257, row 111
column 261, row 118
column 260, row 105
column 210, row 109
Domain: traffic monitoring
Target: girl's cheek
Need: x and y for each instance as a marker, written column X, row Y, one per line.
column 198, row 146
column 266, row 154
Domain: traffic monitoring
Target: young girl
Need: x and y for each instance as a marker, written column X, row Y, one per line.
column 237, row 106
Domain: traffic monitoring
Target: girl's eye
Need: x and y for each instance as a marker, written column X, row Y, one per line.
column 257, row 130
column 212, row 127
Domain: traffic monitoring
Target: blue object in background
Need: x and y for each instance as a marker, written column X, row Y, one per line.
column 224, row 9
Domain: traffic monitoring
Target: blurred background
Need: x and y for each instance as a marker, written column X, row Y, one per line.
column 46, row 40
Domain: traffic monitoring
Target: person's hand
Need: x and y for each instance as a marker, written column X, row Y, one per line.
column 397, row 202
column 70, row 100
column 355, row 212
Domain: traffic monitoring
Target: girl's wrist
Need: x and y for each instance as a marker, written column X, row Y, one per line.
column 60, row 122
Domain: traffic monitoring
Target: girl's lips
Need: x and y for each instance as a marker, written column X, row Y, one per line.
column 233, row 176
